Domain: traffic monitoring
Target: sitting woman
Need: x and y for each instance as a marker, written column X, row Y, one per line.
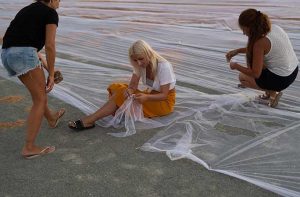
column 155, row 72
column 272, row 62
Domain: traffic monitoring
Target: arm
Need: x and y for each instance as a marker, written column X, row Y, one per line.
column 50, row 54
column 257, row 61
column 134, row 82
column 57, row 74
column 163, row 95
column 43, row 60
column 133, row 85
column 233, row 53
column 241, row 50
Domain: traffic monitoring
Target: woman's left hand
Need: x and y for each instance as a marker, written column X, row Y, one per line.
column 233, row 65
column 128, row 92
column 141, row 98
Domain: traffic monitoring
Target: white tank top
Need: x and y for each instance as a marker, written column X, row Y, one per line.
column 281, row 59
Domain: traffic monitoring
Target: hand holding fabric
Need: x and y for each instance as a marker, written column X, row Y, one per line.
column 128, row 92
column 141, row 98
column 231, row 54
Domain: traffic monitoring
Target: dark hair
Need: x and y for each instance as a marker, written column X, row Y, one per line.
column 46, row 1
column 259, row 25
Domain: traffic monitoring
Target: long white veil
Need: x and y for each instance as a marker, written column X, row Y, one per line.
column 214, row 123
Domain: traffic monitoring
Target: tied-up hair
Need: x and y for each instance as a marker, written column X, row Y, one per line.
column 142, row 48
column 259, row 26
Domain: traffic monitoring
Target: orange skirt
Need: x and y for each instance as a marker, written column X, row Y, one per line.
column 150, row 108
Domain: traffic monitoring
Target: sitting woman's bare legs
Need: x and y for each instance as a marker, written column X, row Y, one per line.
column 107, row 109
column 34, row 81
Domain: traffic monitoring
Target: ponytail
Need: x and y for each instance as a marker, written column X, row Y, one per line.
column 259, row 26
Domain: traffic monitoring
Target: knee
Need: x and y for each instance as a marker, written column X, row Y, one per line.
column 40, row 100
column 116, row 86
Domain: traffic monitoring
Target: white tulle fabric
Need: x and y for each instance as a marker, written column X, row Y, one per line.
column 214, row 123
column 126, row 117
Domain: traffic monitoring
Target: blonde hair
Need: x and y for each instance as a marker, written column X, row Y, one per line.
column 142, row 48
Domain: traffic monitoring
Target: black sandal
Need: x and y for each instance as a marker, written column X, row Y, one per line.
column 79, row 125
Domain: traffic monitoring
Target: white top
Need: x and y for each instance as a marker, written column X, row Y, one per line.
column 281, row 59
column 165, row 75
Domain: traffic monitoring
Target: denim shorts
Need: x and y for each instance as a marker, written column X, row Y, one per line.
column 19, row 60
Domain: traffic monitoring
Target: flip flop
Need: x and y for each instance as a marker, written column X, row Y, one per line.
column 61, row 112
column 273, row 102
column 45, row 151
column 79, row 126
column 57, row 77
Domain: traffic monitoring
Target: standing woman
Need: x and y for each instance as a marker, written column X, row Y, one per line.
column 155, row 72
column 272, row 64
column 33, row 27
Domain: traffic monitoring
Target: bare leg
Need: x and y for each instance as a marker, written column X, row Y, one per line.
column 248, row 81
column 48, row 114
column 107, row 109
column 52, row 117
column 34, row 81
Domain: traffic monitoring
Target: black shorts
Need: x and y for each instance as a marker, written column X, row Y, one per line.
column 270, row 81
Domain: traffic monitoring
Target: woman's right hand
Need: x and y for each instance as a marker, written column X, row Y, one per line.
column 231, row 54
column 141, row 97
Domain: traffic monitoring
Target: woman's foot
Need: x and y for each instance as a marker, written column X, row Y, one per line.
column 35, row 151
column 264, row 96
column 54, row 122
column 79, row 125
column 241, row 85
column 274, row 99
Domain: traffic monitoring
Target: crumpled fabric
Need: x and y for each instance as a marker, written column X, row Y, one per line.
column 130, row 112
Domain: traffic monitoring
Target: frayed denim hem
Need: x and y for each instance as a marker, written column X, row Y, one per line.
column 28, row 70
